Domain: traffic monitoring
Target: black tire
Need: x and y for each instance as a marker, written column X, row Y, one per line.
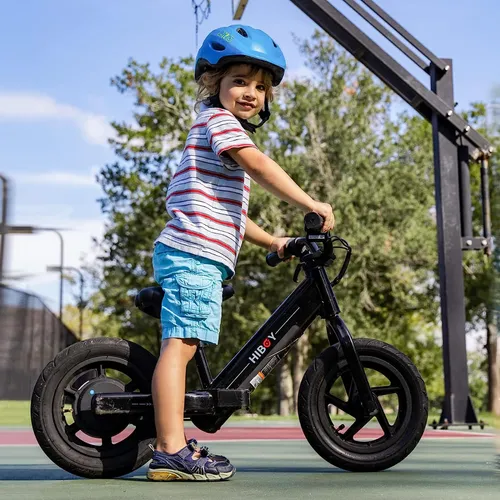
column 75, row 367
column 341, row 449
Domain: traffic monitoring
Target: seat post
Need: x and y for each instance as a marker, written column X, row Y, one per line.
column 203, row 368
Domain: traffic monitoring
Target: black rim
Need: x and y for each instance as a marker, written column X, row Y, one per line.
column 346, row 434
column 114, row 371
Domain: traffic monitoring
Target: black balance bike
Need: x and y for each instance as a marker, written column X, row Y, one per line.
column 92, row 410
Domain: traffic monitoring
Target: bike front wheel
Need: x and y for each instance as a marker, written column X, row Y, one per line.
column 331, row 415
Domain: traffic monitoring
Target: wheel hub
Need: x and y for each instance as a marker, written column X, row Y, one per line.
column 99, row 426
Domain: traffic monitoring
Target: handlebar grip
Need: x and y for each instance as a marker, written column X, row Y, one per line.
column 273, row 259
column 293, row 247
column 313, row 222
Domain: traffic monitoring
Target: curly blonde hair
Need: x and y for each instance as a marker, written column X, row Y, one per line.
column 209, row 81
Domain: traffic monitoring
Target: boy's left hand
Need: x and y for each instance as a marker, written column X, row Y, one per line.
column 278, row 245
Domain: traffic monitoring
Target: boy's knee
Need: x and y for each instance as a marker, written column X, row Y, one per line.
column 191, row 345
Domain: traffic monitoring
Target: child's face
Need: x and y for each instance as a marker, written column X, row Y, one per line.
column 241, row 94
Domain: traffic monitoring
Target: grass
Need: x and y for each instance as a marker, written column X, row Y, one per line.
column 17, row 414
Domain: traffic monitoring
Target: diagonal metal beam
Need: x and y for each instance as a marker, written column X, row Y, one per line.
column 393, row 39
column 393, row 74
column 439, row 63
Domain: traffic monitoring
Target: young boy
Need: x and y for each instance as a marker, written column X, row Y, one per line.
column 236, row 69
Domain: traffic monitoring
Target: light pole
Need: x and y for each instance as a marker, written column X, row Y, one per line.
column 34, row 229
column 80, row 301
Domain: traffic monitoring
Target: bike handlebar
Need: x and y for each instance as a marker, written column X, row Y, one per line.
column 313, row 223
column 294, row 247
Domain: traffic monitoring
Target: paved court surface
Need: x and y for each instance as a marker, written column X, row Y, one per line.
column 443, row 466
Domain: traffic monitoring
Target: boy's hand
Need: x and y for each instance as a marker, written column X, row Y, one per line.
column 278, row 245
column 326, row 211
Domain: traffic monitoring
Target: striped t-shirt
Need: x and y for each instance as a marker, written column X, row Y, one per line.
column 208, row 195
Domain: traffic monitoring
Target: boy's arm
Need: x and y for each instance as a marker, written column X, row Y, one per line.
column 254, row 234
column 272, row 177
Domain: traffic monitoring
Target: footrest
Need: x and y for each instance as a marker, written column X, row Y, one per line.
column 231, row 398
column 195, row 403
column 207, row 402
column 198, row 403
column 121, row 403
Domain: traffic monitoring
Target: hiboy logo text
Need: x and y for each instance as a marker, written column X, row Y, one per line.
column 262, row 348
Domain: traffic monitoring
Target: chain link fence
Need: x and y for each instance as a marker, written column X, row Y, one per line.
column 30, row 336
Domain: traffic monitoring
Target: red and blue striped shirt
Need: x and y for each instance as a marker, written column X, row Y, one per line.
column 208, row 195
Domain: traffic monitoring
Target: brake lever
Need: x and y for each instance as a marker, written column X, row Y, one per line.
column 297, row 272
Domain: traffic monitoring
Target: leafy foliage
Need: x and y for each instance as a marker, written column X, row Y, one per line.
column 336, row 135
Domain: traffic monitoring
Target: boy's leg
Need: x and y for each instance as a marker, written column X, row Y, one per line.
column 168, row 390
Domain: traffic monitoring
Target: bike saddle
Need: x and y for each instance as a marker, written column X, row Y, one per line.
column 148, row 300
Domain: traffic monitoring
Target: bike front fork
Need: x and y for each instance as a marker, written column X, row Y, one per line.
column 338, row 332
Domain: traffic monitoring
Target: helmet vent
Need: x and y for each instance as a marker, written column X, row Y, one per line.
column 274, row 43
column 242, row 32
column 218, row 46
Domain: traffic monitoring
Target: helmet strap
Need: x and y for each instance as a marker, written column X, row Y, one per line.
column 264, row 114
column 214, row 101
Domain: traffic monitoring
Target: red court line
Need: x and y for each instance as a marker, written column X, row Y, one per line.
column 26, row 436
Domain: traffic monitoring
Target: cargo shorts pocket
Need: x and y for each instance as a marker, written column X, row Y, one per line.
column 196, row 294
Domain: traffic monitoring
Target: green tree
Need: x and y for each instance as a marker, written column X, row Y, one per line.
column 337, row 140
column 134, row 188
column 335, row 135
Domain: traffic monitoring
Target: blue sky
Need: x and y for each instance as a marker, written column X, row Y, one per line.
column 56, row 100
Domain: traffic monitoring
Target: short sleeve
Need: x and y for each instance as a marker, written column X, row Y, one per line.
column 225, row 132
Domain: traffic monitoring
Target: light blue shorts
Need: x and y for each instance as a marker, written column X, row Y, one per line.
column 192, row 304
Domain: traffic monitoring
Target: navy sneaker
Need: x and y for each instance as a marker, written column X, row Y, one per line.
column 182, row 466
column 215, row 458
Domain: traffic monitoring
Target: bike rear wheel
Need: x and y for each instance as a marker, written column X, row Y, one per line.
column 353, row 445
column 66, row 428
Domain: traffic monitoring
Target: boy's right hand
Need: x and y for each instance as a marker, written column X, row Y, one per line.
column 326, row 211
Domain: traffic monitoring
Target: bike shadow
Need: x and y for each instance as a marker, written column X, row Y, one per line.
column 137, row 475
column 23, row 472
column 42, row 472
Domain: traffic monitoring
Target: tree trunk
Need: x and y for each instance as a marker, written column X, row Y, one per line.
column 285, row 389
column 299, row 356
column 493, row 363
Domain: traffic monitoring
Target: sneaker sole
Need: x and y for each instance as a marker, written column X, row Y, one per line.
column 175, row 475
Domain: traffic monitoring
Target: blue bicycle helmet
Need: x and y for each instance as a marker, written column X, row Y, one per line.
column 240, row 44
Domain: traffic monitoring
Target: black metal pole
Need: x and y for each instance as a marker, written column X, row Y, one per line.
column 457, row 407
column 81, row 306
column 3, row 227
column 61, row 275
column 485, row 195
column 80, row 301
column 61, row 282
column 465, row 197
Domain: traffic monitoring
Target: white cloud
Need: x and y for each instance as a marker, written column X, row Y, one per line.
column 96, row 129
column 25, row 106
column 59, row 178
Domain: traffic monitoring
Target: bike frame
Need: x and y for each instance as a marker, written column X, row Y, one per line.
column 230, row 389
column 314, row 296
